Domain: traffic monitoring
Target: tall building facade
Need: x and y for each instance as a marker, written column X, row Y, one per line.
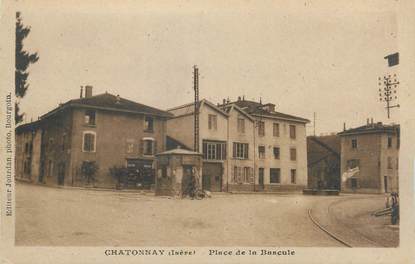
column 247, row 146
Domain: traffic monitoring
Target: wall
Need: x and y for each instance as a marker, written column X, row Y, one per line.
column 284, row 163
column 172, row 185
column 219, row 134
column 181, row 129
column 393, row 153
column 237, row 136
column 32, row 137
column 368, row 152
column 56, row 146
column 114, row 131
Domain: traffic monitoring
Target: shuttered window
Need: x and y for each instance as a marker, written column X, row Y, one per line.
column 89, row 141
column 214, row 150
column 275, row 175
column 240, row 150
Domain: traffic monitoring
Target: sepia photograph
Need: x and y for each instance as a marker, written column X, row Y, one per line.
column 216, row 132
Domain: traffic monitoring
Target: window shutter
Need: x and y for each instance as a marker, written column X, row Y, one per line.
column 234, row 150
column 246, row 151
column 141, row 147
column 223, row 151
column 204, row 150
column 233, row 174
column 154, row 147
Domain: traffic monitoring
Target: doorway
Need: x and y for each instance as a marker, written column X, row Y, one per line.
column 61, row 174
column 212, row 177
column 261, row 179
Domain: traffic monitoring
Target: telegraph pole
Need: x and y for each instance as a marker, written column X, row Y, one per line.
column 388, row 93
column 196, row 111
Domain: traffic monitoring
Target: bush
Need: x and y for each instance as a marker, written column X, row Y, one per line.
column 119, row 174
column 88, row 170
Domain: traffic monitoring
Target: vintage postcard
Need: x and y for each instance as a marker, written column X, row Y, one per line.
column 207, row 131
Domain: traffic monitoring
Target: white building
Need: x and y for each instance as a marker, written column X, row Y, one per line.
column 247, row 146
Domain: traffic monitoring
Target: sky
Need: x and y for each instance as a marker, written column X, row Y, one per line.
column 303, row 56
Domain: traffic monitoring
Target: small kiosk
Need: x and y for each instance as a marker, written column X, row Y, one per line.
column 177, row 172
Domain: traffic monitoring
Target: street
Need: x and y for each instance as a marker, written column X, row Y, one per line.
column 48, row 216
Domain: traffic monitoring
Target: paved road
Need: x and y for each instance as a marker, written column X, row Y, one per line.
column 71, row 217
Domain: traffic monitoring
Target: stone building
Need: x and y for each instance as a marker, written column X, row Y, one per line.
column 370, row 158
column 27, row 155
column 247, row 146
column 97, row 133
column 323, row 162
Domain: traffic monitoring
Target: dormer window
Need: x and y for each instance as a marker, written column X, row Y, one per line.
column 148, row 124
column 90, row 117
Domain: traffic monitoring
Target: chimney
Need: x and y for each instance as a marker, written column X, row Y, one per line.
column 224, row 101
column 243, row 98
column 367, row 122
column 88, row 91
column 239, row 98
column 117, row 99
column 82, row 91
column 269, row 107
column 344, row 126
column 371, row 120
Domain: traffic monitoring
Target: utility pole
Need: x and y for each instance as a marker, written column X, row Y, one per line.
column 388, row 93
column 196, row 111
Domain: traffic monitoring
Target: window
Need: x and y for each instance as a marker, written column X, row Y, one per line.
column 292, row 132
column 276, row 130
column 240, row 150
column 293, row 176
column 149, row 146
column 389, row 142
column 390, row 163
column 90, row 117
column 293, row 154
column 89, row 141
column 261, row 152
column 26, row 148
column 276, row 153
column 213, row 122
column 148, row 124
column 275, row 175
column 353, row 163
column 261, row 128
column 213, row 150
column 354, row 143
column 130, row 147
column 241, row 125
column 243, row 175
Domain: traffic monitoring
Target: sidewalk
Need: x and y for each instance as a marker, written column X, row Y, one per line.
column 20, row 181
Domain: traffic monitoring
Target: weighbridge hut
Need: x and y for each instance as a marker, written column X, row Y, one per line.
column 177, row 170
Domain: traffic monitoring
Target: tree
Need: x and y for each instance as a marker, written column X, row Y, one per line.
column 23, row 60
column 88, row 170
